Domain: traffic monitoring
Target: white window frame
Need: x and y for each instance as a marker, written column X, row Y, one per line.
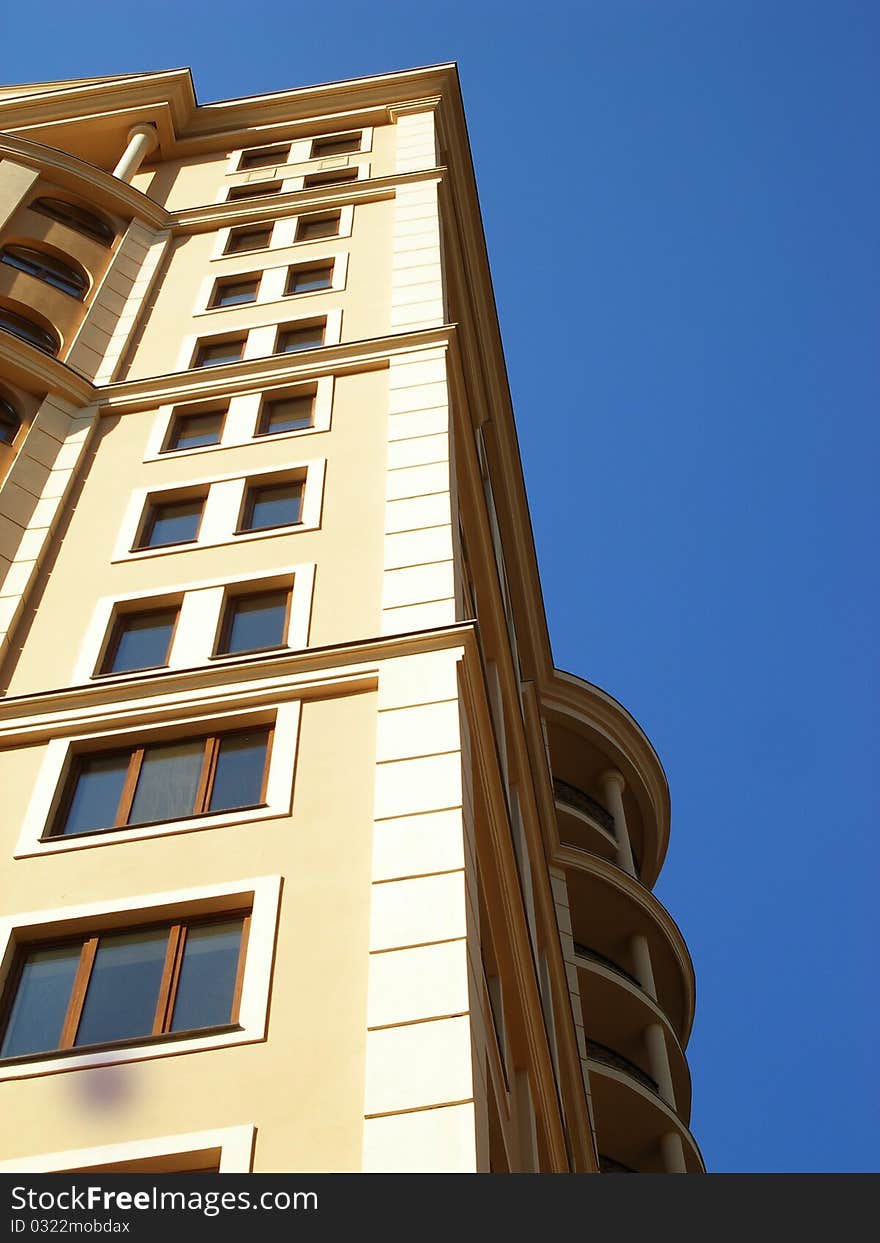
column 235, row 1143
column 272, row 280
column 283, row 232
column 259, row 337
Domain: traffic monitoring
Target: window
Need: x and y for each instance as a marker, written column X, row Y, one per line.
column 271, row 505
column 160, row 781
column 254, row 622
column 9, row 422
column 335, row 144
column 46, row 267
column 86, row 222
column 329, row 177
column 171, row 522
column 301, row 337
column 263, row 157
column 126, row 984
column 308, row 277
column 213, row 353
column 311, row 228
column 27, row 330
column 140, row 641
column 235, row 291
column 195, row 430
column 242, row 240
column 289, row 413
column 252, row 190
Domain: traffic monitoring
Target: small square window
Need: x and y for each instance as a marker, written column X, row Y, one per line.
column 263, row 157
column 255, row 622
column 329, row 177
column 240, row 241
column 311, row 228
column 235, row 291
column 303, row 337
column 140, row 641
column 309, row 277
column 335, row 144
column 171, row 522
column 215, row 353
column 286, row 414
column 195, row 431
column 252, row 190
column 272, row 505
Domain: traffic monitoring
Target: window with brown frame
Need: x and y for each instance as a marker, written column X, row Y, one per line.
column 288, row 412
column 301, row 336
column 158, row 782
column 170, row 522
column 335, row 144
column 140, row 640
column 252, row 190
column 309, row 277
column 124, row 985
column 329, row 177
column 263, row 157
column 254, row 621
column 235, row 291
column 194, row 429
column 214, row 353
column 242, row 240
column 271, row 505
column 321, row 224
column 9, row 422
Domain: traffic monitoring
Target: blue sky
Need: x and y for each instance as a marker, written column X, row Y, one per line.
column 681, row 205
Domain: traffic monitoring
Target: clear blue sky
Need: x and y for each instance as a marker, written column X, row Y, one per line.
column 681, row 203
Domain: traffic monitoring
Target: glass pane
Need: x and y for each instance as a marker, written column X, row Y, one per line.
column 305, row 279
column 223, row 352
column 143, row 641
column 96, row 793
column 256, row 239
column 207, row 976
column 191, row 430
column 41, row 1001
column 301, row 339
column 238, row 780
column 257, row 621
column 234, row 295
column 123, row 987
column 289, row 414
column 168, row 781
column 175, row 524
column 310, row 229
column 275, row 507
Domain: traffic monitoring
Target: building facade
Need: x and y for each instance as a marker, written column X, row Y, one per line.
column 310, row 858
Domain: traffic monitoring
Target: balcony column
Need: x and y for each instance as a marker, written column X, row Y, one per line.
column 641, row 956
column 613, row 785
column 142, row 139
column 658, row 1059
column 673, row 1154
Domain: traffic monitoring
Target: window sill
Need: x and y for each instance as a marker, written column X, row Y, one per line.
column 234, row 538
column 121, row 1046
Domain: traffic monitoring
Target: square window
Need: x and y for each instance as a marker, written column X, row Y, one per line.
column 302, row 337
column 140, row 641
column 323, row 224
column 171, row 522
column 263, row 157
column 329, row 177
column 254, row 622
column 272, row 505
column 308, row 277
column 216, row 353
column 335, row 144
column 242, row 240
column 235, row 291
column 252, row 190
column 194, row 431
column 291, row 413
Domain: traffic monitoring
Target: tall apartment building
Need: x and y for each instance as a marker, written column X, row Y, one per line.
column 310, row 858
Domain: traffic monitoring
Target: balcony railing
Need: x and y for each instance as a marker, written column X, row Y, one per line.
column 605, row 962
column 584, row 803
column 608, row 1057
column 607, row 1165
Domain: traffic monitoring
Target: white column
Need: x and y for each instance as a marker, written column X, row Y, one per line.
column 673, row 1153
column 638, row 945
column 142, row 139
column 613, row 786
column 658, row 1059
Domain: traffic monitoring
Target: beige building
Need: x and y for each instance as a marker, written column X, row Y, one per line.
column 310, row 858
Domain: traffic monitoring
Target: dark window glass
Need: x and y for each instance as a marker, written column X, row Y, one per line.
column 76, row 218
column 335, row 144
column 306, row 279
column 97, row 793
column 173, row 522
column 168, row 782
column 9, row 422
column 241, row 764
column 264, row 157
column 286, row 414
column 242, row 240
column 191, row 431
column 329, row 177
column 213, row 353
column 252, row 190
column 20, row 326
column 207, row 976
column 308, row 337
column 273, row 505
column 41, row 1000
column 235, row 293
column 310, row 228
column 140, row 641
column 123, row 987
column 254, row 622
column 45, row 267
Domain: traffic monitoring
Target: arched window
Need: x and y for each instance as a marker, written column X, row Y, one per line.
column 75, row 217
column 9, row 422
column 20, row 326
column 46, row 267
